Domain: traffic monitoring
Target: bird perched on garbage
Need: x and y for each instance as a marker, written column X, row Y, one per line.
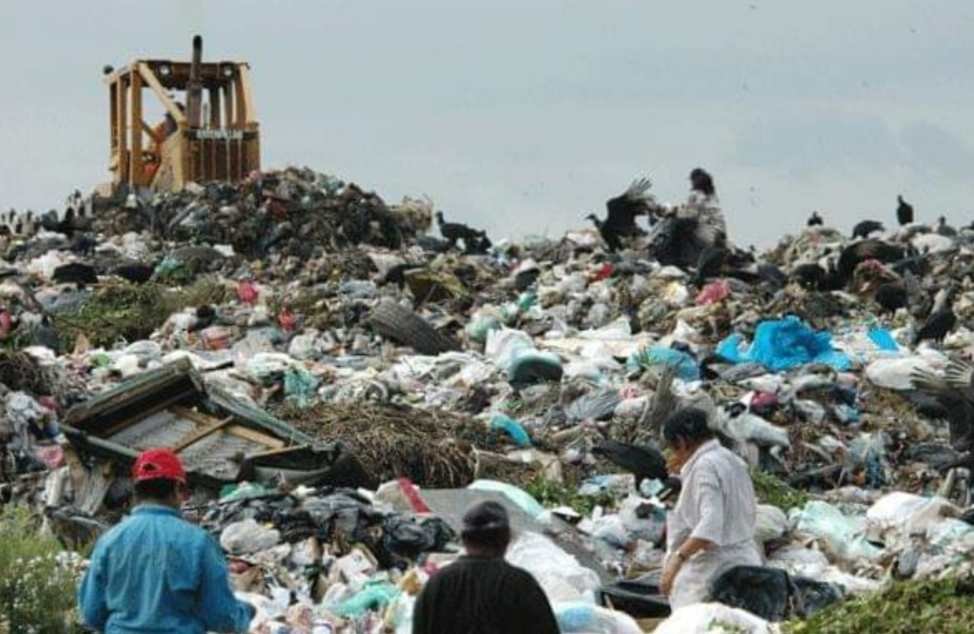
column 815, row 220
column 455, row 231
column 940, row 322
column 135, row 273
column 644, row 462
column 858, row 252
column 904, row 211
column 944, row 229
column 954, row 393
column 609, row 235
column 867, row 227
column 892, row 296
column 75, row 273
column 810, row 276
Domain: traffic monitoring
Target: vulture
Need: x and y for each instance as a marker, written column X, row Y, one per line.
column 815, row 220
column 892, row 296
column 940, row 322
column 809, row 276
column 904, row 211
column 75, row 272
column 954, row 393
column 867, row 227
column 944, row 229
column 624, row 208
column 701, row 181
column 644, row 462
column 859, row 252
column 609, row 235
column 454, row 231
column 135, row 273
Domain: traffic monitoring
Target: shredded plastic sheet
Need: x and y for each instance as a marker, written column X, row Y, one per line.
column 784, row 344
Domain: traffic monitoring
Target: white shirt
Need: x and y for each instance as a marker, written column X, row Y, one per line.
column 716, row 504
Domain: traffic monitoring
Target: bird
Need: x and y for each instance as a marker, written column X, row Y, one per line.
column 809, row 276
column 623, row 210
column 954, row 393
column 609, row 235
column 944, row 229
column 815, row 220
column 75, row 273
column 940, row 322
column 867, row 227
column 701, row 181
column 454, row 231
column 644, row 462
column 135, row 273
column 871, row 249
column 904, row 211
column 892, row 296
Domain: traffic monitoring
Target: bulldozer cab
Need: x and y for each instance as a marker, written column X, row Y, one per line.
column 208, row 131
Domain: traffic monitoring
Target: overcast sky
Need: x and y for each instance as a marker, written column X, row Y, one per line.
column 523, row 116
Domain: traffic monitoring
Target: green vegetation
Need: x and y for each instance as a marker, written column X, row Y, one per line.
column 130, row 312
column 37, row 578
column 550, row 493
column 773, row 491
column 944, row 607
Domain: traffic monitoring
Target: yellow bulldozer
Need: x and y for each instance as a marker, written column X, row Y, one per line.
column 208, row 131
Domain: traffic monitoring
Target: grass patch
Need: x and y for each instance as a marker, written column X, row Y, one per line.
column 130, row 312
column 550, row 493
column 944, row 607
column 771, row 490
column 37, row 587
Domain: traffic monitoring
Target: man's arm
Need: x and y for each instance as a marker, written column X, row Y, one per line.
column 91, row 593
column 219, row 610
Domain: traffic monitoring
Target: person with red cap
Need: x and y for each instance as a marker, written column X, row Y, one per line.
column 156, row 572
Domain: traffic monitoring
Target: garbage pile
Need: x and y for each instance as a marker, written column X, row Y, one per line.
column 341, row 382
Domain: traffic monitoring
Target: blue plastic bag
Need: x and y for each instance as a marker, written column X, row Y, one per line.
column 686, row 366
column 883, row 339
column 784, row 344
column 514, row 429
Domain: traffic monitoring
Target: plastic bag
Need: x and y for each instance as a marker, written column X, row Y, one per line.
column 713, row 293
column 300, row 386
column 844, row 535
column 512, row 428
column 894, row 374
column 714, row 618
column 518, row 496
column 373, row 597
column 585, row 618
column 771, row 523
column 248, row 537
column 686, row 366
column 784, row 344
column 559, row 574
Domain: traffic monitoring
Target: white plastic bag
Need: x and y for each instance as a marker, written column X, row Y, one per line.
column 559, row 574
column 714, row 618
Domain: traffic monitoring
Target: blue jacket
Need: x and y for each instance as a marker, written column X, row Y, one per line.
column 155, row 572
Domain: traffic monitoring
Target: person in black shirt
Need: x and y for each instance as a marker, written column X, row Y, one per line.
column 480, row 593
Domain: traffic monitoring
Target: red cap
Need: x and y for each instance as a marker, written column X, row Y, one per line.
column 155, row 464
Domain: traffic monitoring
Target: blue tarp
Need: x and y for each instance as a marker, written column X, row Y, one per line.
column 784, row 344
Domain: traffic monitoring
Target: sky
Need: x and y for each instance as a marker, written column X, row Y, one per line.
column 522, row 117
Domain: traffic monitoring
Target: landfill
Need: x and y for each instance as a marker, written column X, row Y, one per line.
column 344, row 376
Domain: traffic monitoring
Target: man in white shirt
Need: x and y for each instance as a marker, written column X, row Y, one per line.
column 711, row 528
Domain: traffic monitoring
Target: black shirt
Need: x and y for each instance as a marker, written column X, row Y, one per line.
column 483, row 596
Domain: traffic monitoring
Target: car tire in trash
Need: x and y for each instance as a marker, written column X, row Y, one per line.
column 392, row 321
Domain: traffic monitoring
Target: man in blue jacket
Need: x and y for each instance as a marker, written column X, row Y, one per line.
column 155, row 572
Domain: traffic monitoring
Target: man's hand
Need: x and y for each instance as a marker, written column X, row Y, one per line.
column 670, row 570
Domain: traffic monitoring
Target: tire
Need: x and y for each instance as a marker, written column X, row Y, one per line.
column 392, row 321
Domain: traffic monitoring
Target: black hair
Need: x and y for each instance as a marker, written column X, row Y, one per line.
column 486, row 525
column 702, row 182
column 688, row 425
column 156, row 489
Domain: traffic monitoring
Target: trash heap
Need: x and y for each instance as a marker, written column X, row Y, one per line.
column 342, row 385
